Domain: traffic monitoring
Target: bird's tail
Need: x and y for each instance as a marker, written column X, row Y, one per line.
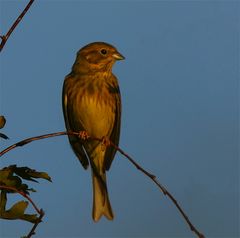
column 101, row 203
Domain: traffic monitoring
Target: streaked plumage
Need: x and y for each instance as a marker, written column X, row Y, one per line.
column 92, row 103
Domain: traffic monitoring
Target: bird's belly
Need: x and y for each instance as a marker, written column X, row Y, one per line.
column 96, row 116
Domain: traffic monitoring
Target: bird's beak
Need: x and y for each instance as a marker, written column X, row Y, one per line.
column 118, row 56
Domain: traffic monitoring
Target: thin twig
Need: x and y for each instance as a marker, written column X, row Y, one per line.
column 32, row 232
column 163, row 189
column 151, row 176
column 4, row 38
column 26, row 141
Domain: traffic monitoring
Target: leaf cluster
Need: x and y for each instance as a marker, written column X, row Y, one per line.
column 11, row 181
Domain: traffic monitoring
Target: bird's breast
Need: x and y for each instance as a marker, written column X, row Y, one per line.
column 95, row 110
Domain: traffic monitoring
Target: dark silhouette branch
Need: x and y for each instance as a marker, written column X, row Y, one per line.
column 4, row 38
column 151, row 176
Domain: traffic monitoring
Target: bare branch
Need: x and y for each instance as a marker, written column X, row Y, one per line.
column 26, row 141
column 4, row 38
column 151, row 176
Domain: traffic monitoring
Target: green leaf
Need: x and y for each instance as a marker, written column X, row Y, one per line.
column 28, row 173
column 2, row 124
column 11, row 182
column 8, row 179
column 16, row 211
column 3, row 201
column 2, row 121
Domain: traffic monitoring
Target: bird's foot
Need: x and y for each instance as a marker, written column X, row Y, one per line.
column 105, row 143
column 83, row 135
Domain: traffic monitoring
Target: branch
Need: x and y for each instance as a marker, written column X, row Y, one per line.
column 4, row 38
column 32, row 232
column 26, row 141
column 151, row 176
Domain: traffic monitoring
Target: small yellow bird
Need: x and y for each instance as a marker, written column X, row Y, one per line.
column 92, row 103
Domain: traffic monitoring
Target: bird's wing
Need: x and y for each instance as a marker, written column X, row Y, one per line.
column 74, row 141
column 115, row 135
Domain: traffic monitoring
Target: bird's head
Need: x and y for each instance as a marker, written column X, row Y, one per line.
column 97, row 56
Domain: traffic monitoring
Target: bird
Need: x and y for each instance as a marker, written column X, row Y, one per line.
column 91, row 102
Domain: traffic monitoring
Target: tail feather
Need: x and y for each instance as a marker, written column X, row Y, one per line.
column 101, row 203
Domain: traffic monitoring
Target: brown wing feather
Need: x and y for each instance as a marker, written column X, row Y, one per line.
column 74, row 141
column 115, row 135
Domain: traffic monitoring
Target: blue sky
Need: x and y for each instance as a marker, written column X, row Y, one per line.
column 180, row 118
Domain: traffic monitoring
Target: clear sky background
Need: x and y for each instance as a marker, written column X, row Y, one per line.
column 179, row 86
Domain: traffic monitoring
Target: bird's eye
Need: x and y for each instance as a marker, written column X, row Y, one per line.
column 103, row 51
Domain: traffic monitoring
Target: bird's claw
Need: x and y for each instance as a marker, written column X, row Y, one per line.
column 105, row 143
column 83, row 135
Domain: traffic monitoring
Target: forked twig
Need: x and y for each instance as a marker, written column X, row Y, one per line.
column 151, row 176
column 32, row 232
column 4, row 38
